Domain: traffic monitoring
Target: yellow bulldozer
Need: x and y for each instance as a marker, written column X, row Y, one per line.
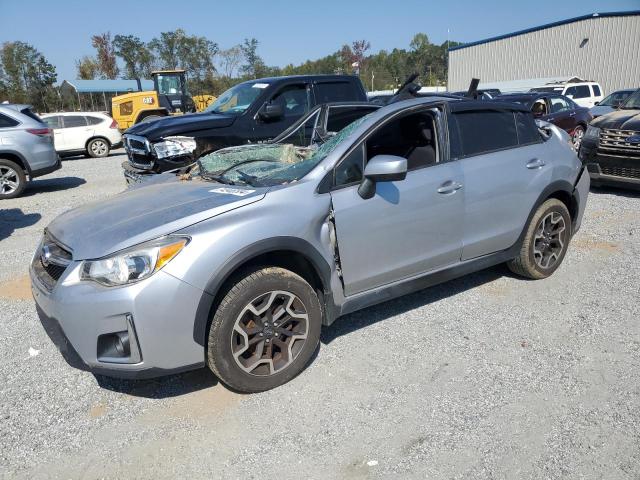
column 168, row 97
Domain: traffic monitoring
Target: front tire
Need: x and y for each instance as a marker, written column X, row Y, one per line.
column 545, row 243
column 577, row 136
column 265, row 330
column 12, row 179
column 98, row 148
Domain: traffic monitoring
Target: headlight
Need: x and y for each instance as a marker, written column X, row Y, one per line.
column 174, row 147
column 592, row 133
column 133, row 264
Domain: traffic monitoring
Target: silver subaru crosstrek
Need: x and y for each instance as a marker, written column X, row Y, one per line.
column 237, row 264
column 26, row 149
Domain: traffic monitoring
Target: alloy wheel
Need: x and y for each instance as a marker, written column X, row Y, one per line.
column 269, row 333
column 549, row 240
column 9, row 180
column 99, row 147
column 577, row 138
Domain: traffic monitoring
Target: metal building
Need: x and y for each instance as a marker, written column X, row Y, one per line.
column 603, row 47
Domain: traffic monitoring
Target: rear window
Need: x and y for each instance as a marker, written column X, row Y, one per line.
column 94, row 120
column 6, row 122
column 71, row 121
column 527, row 130
column 340, row 117
column 485, row 131
column 336, row 92
column 29, row 113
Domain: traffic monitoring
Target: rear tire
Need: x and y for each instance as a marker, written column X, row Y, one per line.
column 13, row 180
column 545, row 243
column 98, row 148
column 265, row 330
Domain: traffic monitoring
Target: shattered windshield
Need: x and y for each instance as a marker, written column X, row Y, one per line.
column 268, row 164
column 237, row 99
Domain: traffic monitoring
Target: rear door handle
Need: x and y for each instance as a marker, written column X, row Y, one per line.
column 535, row 163
column 449, row 187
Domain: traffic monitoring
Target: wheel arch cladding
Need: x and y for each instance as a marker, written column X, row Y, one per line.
column 15, row 157
column 292, row 253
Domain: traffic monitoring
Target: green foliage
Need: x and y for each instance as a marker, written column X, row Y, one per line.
column 87, row 68
column 136, row 55
column 26, row 76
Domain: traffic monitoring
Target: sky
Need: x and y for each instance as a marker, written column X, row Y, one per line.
column 289, row 31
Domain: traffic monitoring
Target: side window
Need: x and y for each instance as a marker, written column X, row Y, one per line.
column 294, row 100
column 558, row 104
column 340, row 117
column 351, row 168
column 486, row 131
column 580, row 91
column 6, row 121
column 52, row 122
column 94, row 120
column 596, row 90
column 527, row 129
column 336, row 92
column 71, row 121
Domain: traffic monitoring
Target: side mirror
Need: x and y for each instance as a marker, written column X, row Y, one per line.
column 271, row 111
column 381, row 168
column 595, row 103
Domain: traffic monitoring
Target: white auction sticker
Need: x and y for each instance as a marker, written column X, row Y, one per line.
column 238, row 192
column 260, row 85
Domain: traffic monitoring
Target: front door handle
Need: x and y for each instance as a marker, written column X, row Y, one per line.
column 535, row 163
column 449, row 187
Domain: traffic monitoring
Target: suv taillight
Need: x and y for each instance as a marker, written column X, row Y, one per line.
column 41, row 132
column 114, row 124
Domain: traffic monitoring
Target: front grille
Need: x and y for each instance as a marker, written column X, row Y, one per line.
column 50, row 262
column 139, row 151
column 614, row 142
column 621, row 171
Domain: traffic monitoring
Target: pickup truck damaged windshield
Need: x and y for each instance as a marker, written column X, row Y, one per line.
column 267, row 165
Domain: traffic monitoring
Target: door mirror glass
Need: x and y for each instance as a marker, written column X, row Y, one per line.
column 382, row 168
column 272, row 111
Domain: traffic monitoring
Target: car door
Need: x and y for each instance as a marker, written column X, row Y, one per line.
column 55, row 124
column 561, row 113
column 76, row 132
column 294, row 99
column 408, row 227
column 504, row 171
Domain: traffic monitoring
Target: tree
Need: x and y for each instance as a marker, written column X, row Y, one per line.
column 105, row 56
column 87, row 68
column 358, row 49
column 26, row 76
column 167, row 48
column 254, row 66
column 230, row 60
column 136, row 55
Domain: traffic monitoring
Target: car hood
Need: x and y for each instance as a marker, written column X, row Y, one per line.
column 601, row 110
column 620, row 119
column 180, row 124
column 135, row 216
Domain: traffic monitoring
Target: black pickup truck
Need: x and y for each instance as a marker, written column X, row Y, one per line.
column 250, row 112
column 611, row 146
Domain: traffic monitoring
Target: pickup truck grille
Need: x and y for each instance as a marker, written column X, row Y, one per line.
column 614, row 142
column 50, row 262
column 139, row 151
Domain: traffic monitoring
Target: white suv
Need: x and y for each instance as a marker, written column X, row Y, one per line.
column 585, row 94
column 91, row 133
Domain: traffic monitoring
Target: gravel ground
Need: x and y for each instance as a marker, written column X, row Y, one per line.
column 488, row 376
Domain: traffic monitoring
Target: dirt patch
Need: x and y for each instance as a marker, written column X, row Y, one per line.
column 593, row 244
column 98, row 410
column 17, row 289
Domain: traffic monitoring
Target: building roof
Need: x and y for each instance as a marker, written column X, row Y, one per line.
column 548, row 25
column 109, row 86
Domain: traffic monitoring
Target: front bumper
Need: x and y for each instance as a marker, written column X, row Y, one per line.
column 157, row 314
column 619, row 171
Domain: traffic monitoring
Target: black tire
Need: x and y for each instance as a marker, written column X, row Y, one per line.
column 13, row 180
column 541, row 253
column 259, row 286
column 98, row 148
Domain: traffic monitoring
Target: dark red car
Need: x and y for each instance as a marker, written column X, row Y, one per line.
column 554, row 108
